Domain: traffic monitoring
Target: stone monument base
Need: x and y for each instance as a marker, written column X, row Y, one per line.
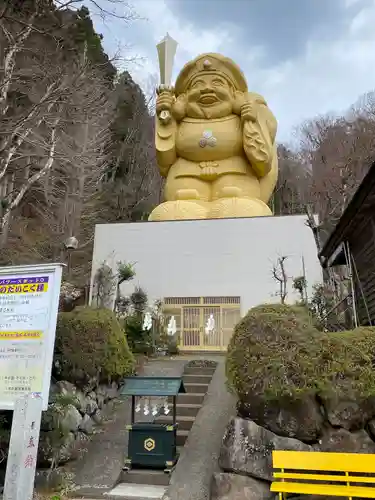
column 221, row 267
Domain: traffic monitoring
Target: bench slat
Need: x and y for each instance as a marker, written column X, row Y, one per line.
column 324, row 477
column 313, row 461
column 326, row 489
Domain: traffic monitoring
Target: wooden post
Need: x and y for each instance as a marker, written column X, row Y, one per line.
column 23, row 448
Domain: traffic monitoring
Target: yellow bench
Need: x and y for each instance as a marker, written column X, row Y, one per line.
column 311, row 473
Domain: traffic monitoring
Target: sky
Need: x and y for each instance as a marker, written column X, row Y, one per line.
column 306, row 57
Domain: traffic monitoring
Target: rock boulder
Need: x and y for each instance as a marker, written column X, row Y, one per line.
column 294, row 418
column 349, row 413
column 343, row 441
column 247, row 449
column 233, row 487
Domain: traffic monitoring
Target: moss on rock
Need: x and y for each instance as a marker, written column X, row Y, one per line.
column 273, row 353
column 90, row 343
column 277, row 352
column 347, row 365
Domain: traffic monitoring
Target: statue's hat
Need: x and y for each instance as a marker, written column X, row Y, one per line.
column 211, row 63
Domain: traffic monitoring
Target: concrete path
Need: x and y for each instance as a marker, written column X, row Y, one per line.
column 191, row 479
column 136, row 491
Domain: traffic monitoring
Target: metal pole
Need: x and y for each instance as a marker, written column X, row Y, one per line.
column 305, row 281
column 349, row 261
column 133, row 410
column 174, row 410
column 153, row 335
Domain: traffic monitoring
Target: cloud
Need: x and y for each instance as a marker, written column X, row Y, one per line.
column 326, row 78
column 191, row 40
column 332, row 69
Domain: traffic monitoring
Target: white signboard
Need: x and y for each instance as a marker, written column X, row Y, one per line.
column 29, row 301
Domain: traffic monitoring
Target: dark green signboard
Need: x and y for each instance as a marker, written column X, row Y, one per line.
column 152, row 386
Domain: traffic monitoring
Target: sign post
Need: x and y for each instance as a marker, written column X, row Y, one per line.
column 23, row 449
column 29, row 301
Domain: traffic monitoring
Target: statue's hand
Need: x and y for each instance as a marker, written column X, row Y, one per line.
column 248, row 112
column 164, row 102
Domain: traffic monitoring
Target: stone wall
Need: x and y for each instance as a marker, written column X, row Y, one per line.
column 71, row 419
column 298, row 388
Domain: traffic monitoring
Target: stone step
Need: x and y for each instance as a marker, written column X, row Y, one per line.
column 187, row 410
column 145, row 476
column 196, row 370
column 181, row 437
column 184, row 423
column 196, row 388
column 87, row 493
column 135, row 492
column 190, row 398
column 197, row 379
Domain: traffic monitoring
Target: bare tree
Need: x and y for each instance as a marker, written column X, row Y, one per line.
column 62, row 126
column 339, row 151
column 280, row 276
column 292, row 190
column 132, row 186
column 55, row 111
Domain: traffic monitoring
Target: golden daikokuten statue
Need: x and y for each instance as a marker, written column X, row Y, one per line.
column 215, row 144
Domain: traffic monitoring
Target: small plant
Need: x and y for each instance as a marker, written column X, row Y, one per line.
column 172, row 346
column 104, row 286
column 139, row 300
column 138, row 338
column 125, row 272
column 299, row 284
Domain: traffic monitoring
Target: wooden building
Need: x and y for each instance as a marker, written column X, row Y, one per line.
column 352, row 243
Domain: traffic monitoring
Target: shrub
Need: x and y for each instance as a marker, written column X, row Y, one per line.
column 172, row 346
column 273, row 351
column 91, row 343
column 139, row 339
column 276, row 351
column 350, row 368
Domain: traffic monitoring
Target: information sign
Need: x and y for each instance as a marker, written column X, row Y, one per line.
column 29, row 300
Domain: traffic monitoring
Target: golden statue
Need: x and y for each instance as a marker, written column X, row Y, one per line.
column 215, row 144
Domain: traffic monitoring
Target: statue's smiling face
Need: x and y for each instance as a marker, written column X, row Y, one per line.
column 209, row 96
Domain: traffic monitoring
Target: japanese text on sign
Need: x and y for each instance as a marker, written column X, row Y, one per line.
column 24, row 305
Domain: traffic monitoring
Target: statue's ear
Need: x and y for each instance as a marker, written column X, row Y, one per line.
column 179, row 107
column 181, row 98
column 239, row 100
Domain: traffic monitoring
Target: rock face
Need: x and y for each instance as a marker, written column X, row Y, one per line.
column 70, row 419
column 235, row 487
column 300, row 419
column 246, row 456
column 348, row 413
column 247, row 449
column 341, row 440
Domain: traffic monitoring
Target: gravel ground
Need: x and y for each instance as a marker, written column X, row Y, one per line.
column 191, row 480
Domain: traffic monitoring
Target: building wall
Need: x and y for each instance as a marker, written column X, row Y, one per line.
column 362, row 248
column 226, row 257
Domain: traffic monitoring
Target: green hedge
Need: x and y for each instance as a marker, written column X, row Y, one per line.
column 90, row 343
column 276, row 351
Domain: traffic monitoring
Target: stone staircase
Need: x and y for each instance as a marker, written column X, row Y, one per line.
column 145, row 483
